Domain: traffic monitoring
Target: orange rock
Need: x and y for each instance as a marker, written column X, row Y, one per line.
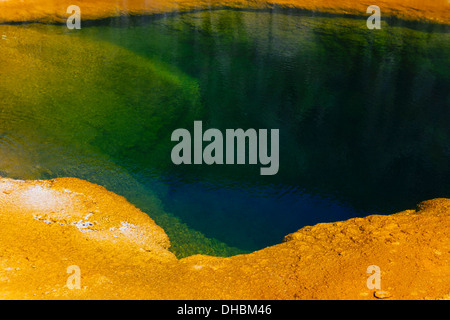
column 55, row 10
column 48, row 226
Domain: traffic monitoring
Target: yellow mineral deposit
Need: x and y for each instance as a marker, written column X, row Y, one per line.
column 51, row 229
column 55, row 10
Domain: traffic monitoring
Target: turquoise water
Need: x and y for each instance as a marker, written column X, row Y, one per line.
column 363, row 117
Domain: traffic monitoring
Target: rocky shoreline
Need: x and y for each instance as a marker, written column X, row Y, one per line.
column 48, row 11
column 51, row 225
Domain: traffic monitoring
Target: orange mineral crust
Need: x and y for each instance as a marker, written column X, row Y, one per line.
column 49, row 226
column 437, row 11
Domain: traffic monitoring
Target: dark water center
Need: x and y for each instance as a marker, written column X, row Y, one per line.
column 363, row 116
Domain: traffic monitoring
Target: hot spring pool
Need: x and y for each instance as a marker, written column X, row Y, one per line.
column 363, row 116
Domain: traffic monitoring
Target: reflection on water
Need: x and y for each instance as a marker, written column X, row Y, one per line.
column 363, row 117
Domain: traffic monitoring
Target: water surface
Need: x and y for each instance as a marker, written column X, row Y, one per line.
column 363, row 117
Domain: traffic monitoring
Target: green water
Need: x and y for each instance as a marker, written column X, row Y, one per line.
column 363, row 117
